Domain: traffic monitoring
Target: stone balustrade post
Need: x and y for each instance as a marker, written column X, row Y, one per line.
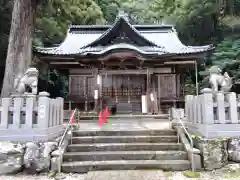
column 55, row 112
column 30, row 103
column 207, row 108
column 231, row 97
column 220, row 107
column 17, row 107
column 61, row 110
column 6, row 103
column 199, row 110
column 195, row 111
column 43, row 110
column 189, row 107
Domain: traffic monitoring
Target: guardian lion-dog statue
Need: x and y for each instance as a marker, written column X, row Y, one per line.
column 29, row 80
column 216, row 79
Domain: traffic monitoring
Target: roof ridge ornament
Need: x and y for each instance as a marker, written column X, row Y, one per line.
column 122, row 14
column 174, row 30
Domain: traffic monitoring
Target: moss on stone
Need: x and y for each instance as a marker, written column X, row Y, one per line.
column 168, row 173
column 232, row 174
column 190, row 174
column 52, row 174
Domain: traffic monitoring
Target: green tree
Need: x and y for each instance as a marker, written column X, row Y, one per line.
column 5, row 23
column 54, row 17
column 20, row 42
column 109, row 9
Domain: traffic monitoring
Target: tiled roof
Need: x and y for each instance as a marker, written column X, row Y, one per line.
column 83, row 39
column 140, row 49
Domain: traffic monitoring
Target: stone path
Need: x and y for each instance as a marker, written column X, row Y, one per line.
column 129, row 124
column 126, row 175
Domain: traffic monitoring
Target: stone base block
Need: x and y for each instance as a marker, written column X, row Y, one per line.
column 215, row 130
column 34, row 134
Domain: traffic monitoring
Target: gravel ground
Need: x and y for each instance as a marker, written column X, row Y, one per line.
column 44, row 177
column 214, row 175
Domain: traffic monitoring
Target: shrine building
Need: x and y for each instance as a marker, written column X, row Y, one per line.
column 124, row 66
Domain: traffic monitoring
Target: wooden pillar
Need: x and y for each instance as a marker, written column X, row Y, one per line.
column 85, row 94
column 182, row 85
column 178, row 85
column 155, row 103
column 129, row 98
column 100, row 93
column 69, row 105
column 159, row 91
column 116, row 96
column 96, row 89
column 149, row 89
column 69, row 91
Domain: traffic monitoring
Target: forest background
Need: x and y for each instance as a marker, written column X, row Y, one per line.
column 198, row 22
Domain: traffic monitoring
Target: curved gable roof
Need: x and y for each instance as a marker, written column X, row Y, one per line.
column 160, row 39
column 122, row 27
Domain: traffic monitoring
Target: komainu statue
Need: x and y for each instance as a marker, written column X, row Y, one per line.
column 27, row 81
column 216, row 79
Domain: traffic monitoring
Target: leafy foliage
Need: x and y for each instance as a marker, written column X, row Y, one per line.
column 5, row 20
column 52, row 21
column 227, row 56
column 54, row 17
column 55, row 82
column 109, row 9
column 198, row 22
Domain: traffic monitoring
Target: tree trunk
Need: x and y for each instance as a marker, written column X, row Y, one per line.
column 20, row 43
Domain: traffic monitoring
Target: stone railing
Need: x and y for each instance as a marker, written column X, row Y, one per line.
column 30, row 117
column 213, row 115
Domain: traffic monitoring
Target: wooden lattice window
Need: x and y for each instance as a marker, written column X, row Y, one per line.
column 77, row 85
column 90, row 86
column 168, row 85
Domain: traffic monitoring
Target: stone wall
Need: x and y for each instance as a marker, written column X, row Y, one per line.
column 234, row 149
column 32, row 157
column 216, row 153
column 213, row 152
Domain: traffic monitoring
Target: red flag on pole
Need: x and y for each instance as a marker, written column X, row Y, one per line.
column 105, row 115
column 100, row 120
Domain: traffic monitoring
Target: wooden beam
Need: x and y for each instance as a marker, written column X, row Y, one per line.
column 133, row 71
column 64, row 63
column 179, row 62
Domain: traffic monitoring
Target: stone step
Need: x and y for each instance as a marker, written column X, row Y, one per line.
column 124, row 155
column 85, row 166
column 124, row 147
column 94, row 116
column 123, row 139
column 165, row 132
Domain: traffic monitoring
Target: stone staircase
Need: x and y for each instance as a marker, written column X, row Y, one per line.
column 124, row 150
